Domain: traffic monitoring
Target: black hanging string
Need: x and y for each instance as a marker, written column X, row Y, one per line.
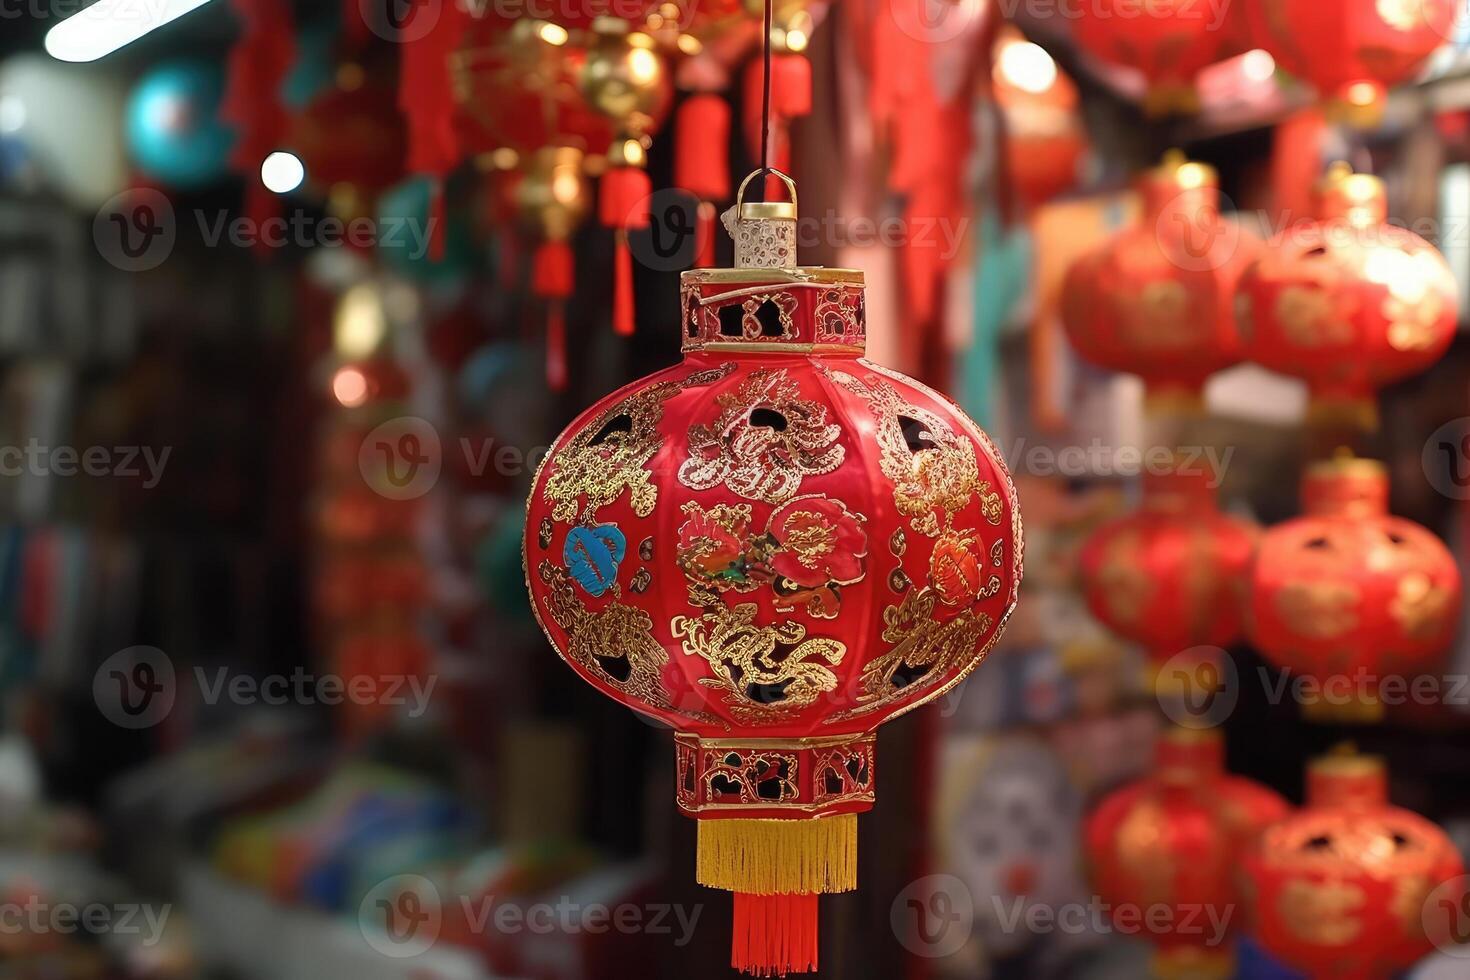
column 766, row 102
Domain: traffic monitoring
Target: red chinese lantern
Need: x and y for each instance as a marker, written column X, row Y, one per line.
column 1168, row 41
column 1044, row 138
column 1155, row 300
column 1348, row 594
column 773, row 547
column 1340, row 886
column 1172, row 840
column 1348, row 302
column 1352, row 51
column 1172, row 575
column 351, row 140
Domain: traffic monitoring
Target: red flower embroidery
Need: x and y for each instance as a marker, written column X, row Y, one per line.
column 818, row 542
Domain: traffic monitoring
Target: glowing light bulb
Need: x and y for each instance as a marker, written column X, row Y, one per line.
column 1028, row 67
column 282, row 172
column 350, row 387
column 1257, row 65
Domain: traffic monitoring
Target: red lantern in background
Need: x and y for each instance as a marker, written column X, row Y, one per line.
column 1352, row 50
column 351, row 139
column 1173, row 574
column 1348, row 302
column 1044, row 138
column 1168, row 41
column 1173, row 840
column 1348, row 594
column 773, row 548
column 1155, row 300
column 1341, row 885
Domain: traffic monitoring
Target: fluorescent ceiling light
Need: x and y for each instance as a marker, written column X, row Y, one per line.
column 107, row 25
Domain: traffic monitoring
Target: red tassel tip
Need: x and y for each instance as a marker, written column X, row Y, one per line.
column 774, row 934
column 623, row 287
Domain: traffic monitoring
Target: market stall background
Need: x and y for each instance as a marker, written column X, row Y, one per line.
column 294, row 298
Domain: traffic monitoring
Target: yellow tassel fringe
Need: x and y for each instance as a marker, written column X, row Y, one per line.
column 771, row 857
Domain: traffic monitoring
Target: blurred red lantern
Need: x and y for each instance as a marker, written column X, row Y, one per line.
column 1173, row 840
column 1348, row 594
column 1044, row 138
column 1155, row 300
column 351, row 140
column 1351, row 51
column 1340, row 886
column 1172, row 575
column 773, row 548
column 1348, row 302
column 1168, row 41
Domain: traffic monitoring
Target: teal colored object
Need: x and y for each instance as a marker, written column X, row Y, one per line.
column 403, row 236
column 498, row 564
column 592, row 556
column 1002, row 277
column 174, row 133
column 315, row 60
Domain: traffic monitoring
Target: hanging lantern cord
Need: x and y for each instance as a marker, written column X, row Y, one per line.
column 766, row 100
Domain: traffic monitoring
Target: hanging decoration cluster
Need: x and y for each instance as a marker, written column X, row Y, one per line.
column 773, row 547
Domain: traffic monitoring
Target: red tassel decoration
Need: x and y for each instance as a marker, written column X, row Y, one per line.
column 257, row 66
column 426, row 98
column 774, row 934
column 552, row 273
column 622, row 286
column 702, row 164
column 623, row 206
